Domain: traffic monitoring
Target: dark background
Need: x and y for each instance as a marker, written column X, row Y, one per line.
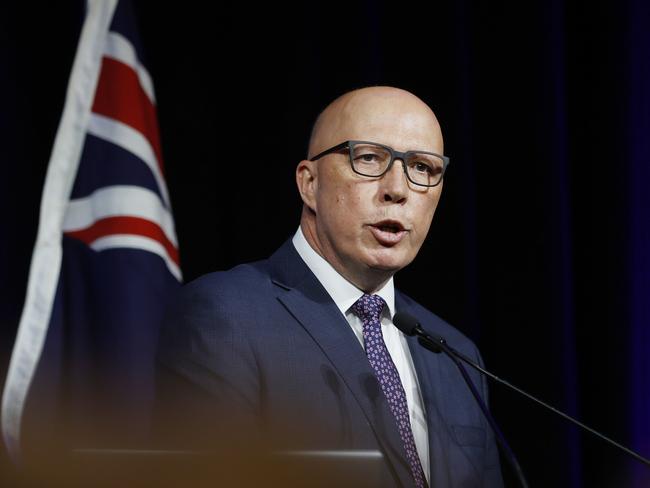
column 540, row 247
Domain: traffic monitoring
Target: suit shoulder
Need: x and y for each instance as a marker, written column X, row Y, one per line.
column 242, row 281
column 223, row 295
column 215, row 309
column 433, row 323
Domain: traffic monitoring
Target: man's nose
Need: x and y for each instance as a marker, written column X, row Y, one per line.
column 394, row 184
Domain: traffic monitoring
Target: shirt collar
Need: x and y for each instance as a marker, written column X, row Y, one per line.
column 344, row 293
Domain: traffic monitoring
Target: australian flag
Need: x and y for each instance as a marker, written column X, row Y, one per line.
column 106, row 256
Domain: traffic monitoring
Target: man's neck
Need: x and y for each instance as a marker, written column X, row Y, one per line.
column 341, row 290
column 368, row 280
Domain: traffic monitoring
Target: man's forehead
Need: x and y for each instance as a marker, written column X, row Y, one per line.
column 379, row 110
column 375, row 101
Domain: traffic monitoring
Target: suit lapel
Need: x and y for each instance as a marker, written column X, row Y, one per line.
column 429, row 368
column 306, row 299
column 428, row 371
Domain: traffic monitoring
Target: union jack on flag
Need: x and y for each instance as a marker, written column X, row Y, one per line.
column 106, row 256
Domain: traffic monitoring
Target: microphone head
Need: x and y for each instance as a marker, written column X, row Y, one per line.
column 406, row 323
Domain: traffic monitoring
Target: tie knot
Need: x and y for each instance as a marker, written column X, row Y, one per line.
column 369, row 307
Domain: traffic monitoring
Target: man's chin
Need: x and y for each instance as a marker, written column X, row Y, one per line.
column 388, row 262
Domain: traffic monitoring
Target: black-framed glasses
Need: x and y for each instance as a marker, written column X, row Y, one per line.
column 374, row 160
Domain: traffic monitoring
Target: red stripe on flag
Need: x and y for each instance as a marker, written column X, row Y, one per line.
column 125, row 225
column 120, row 96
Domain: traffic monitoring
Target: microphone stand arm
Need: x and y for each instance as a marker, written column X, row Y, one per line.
column 434, row 346
column 439, row 343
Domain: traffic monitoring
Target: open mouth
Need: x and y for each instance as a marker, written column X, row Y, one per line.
column 389, row 226
column 388, row 232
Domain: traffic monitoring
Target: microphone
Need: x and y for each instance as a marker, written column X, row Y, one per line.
column 410, row 326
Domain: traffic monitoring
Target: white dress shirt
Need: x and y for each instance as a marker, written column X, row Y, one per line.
column 345, row 294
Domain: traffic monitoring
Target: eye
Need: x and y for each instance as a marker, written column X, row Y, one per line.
column 422, row 167
column 367, row 158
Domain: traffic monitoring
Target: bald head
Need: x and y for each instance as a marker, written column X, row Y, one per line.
column 368, row 228
column 397, row 113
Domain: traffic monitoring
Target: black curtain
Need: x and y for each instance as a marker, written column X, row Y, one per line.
column 540, row 248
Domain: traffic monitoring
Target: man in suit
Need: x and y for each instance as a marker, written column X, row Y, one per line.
column 299, row 351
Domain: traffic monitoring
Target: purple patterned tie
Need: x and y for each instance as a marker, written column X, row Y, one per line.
column 368, row 308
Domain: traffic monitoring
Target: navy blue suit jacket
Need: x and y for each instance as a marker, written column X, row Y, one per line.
column 265, row 342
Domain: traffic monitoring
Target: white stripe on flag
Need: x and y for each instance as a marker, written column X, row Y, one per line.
column 120, row 48
column 144, row 243
column 131, row 140
column 46, row 259
column 114, row 201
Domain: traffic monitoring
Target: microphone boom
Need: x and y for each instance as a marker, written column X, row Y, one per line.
column 410, row 326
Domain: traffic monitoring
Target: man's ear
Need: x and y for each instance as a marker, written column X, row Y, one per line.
column 307, row 181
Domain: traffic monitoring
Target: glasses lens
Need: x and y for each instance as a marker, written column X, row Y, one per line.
column 424, row 169
column 369, row 159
